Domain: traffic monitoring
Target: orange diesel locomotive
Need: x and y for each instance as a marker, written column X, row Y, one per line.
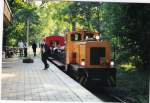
column 86, row 58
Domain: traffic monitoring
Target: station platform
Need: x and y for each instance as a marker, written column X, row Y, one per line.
column 29, row 82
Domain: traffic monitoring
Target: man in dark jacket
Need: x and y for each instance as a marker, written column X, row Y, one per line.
column 34, row 46
column 45, row 50
column 25, row 49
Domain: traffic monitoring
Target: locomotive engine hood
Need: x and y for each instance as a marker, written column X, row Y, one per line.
column 87, row 50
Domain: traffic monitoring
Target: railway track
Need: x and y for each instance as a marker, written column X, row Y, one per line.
column 118, row 98
column 103, row 94
column 107, row 95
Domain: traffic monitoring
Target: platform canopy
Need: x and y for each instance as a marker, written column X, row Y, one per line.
column 7, row 13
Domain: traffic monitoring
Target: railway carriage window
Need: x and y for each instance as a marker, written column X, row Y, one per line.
column 75, row 37
column 55, row 43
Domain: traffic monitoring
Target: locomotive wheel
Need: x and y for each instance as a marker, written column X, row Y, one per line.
column 82, row 77
column 111, row 81
column 83, row 80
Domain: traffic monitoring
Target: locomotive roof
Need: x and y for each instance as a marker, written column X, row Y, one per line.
column 55, row 36
column 82, row 32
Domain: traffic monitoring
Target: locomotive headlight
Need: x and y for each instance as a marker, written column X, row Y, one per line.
column 83, row 62
column 97, row 37
column 112, row 63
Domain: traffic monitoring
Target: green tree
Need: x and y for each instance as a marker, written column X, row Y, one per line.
column 128, row 23
column 17, row 30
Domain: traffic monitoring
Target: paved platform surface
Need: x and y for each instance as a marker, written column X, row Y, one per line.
column 28, row 82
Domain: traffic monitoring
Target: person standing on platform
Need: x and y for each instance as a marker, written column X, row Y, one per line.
column 45, row 50
column 34, row 46
column 21, row 46
column 25, row 49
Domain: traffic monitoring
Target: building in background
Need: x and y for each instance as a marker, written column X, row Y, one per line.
column 7, row 13
column 7, row 18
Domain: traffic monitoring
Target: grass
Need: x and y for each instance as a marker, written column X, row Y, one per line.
column 133, row 85
column 127, row 66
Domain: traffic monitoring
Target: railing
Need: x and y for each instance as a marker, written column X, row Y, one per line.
column 10, row 51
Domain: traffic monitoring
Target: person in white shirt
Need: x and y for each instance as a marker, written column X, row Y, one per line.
column 20, row 46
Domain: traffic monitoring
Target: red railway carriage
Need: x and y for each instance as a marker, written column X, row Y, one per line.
column 55, row 40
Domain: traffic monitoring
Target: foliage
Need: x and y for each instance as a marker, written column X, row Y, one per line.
column 138, row 32
column 127, row 67
column 133, row 86
column 51, row 19
column 125, row 25
column 21, row 11
column 128, row 23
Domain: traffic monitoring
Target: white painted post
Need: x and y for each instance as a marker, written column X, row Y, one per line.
column 1, row 23
column 1, row 26
column 1, row 33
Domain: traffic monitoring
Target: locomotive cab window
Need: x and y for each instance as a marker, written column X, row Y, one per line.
column 89, row 37
column 75, row 37
column 55, row 43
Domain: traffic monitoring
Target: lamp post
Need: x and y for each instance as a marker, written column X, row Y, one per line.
column 27, row 60
column 37, row 2
column 28, row 24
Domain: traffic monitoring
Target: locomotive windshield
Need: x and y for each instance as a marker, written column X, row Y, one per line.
column 83, row 37
column 76, row 37
column 89, row 37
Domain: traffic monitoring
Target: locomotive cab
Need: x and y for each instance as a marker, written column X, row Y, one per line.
column 88, row 58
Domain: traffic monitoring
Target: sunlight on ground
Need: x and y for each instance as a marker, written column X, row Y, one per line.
column 7, row 75
column 127, row 66
column 30, row 51
column 54, row 89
